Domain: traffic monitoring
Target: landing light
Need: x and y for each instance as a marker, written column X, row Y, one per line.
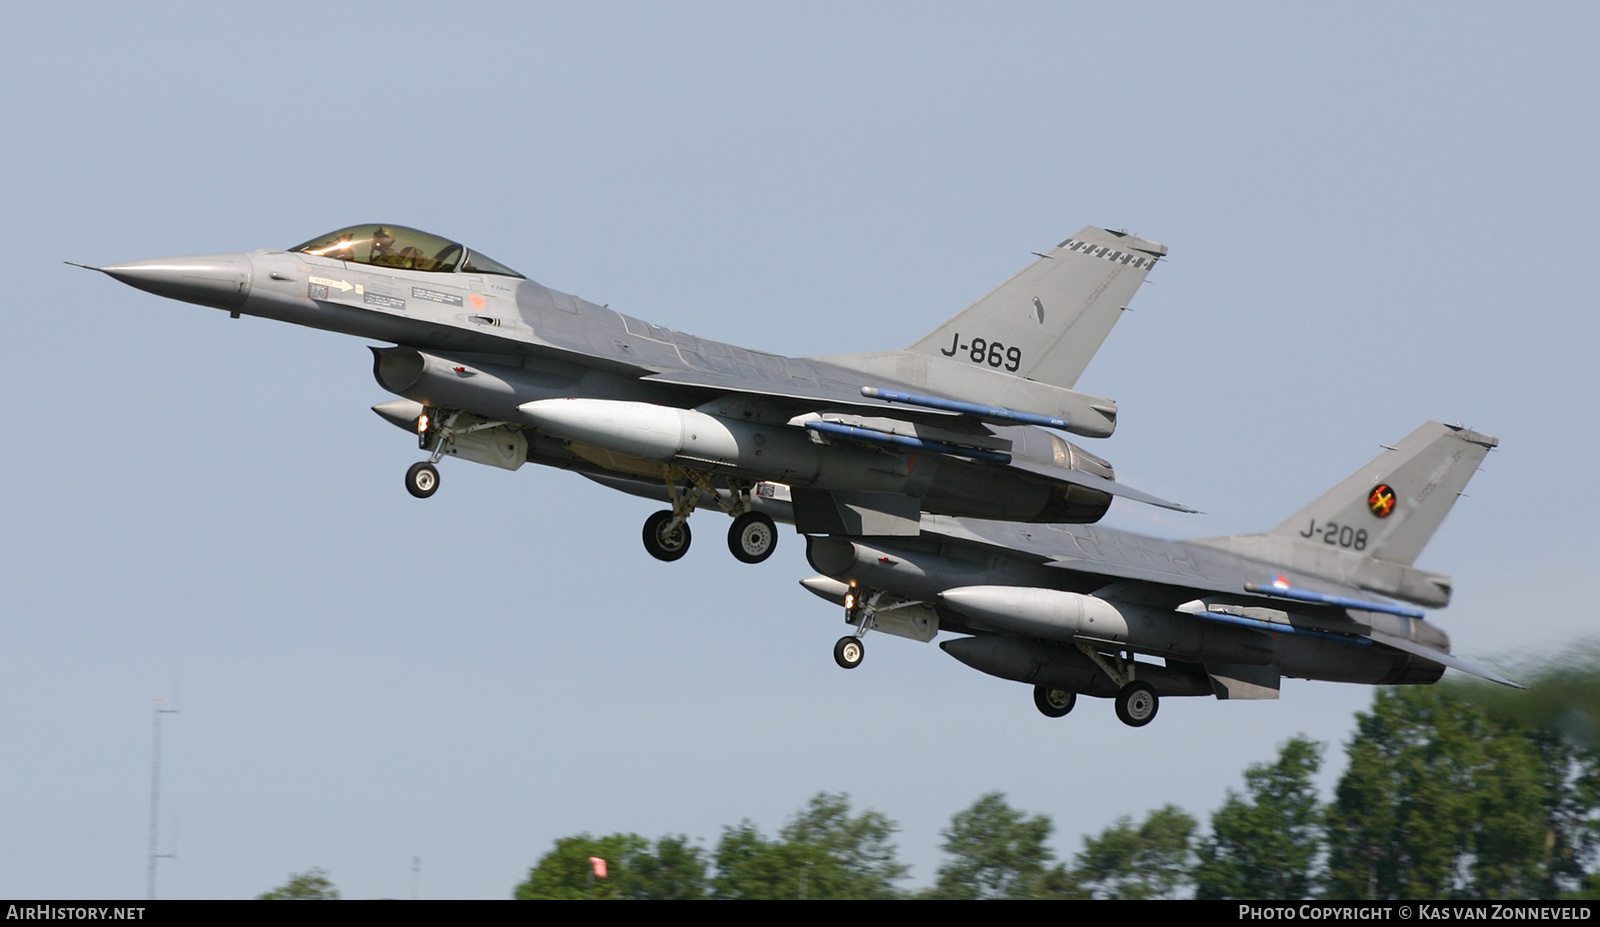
column 422, row 424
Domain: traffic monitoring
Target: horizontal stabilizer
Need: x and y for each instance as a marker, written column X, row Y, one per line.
column 1442, row 658
column 1091, row 481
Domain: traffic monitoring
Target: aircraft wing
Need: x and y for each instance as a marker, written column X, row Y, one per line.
column 1174, row 584
column 1184, row 571
column 1166, row 572
column 819, row 394
column 1170, row 573
column 1189, row 585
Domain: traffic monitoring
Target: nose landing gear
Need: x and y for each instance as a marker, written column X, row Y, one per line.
column 422, row 480
column 439, row 435
column 849, row 652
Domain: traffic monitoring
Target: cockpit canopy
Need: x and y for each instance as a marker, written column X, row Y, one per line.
column 400, row 247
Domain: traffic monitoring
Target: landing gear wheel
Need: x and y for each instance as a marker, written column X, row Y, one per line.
column 1053, row 703
column 422, row 480
column 753, row 537
column 1137, row 704
column 849, row 652
column 663, row 544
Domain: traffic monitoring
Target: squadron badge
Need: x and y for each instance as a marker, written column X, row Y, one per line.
column 1381, row 501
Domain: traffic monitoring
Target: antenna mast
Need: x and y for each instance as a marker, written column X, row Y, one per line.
column 155, row 800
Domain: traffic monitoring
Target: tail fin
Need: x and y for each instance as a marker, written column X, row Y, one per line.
column 1055, row 313
column 1391, row 507
column 1369, row 529
column 1025, row 344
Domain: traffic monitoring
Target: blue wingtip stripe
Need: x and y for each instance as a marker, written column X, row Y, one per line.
column 1273, row 627
column 966, row 408
column 906, row 441
column 1338, row 601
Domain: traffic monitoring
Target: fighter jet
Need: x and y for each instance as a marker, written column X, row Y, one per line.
column 1071, row 609
column 497, row 369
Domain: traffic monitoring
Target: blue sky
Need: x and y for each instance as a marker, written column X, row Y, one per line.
column 1377, row 215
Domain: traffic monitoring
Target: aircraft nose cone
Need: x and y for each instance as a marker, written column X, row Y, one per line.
column 219, row 280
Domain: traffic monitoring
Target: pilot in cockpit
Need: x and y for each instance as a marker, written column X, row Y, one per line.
column 384, row 254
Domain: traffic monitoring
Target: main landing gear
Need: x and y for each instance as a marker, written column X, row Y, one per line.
column 1136, row 701
column 752, row 537
column 1054, row 703
column 1137, row 704
column 665, row 537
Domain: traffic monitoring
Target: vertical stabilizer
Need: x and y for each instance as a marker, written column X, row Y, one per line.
column 1056, row 312
column 1391, row 507
column 1368, row 530
column 1024, row 345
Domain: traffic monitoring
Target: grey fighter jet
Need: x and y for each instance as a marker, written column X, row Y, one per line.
column 497, row 369
column 1070, row 609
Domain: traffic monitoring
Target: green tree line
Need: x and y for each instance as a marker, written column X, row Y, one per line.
column 1458, row 791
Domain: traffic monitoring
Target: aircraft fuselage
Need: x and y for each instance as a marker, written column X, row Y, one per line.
column 502, row 370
